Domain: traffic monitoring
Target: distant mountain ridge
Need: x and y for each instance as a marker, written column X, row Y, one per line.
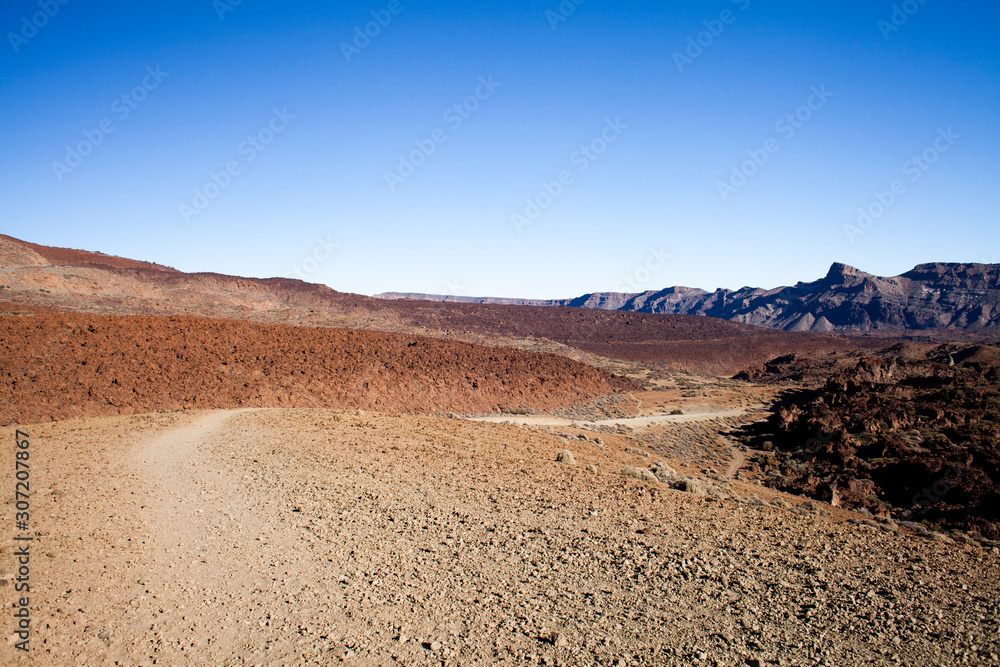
column 34, row 276
column 931, row 296
column 450, row 298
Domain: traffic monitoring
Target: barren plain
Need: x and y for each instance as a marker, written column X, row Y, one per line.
column 235, row 472
column 272, row 537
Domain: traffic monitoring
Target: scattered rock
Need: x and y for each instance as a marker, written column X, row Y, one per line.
column 917, row 528
column 427, row 547
column 691, row 485
column 664, row 471
column 639, row 473
column 340, row 651
column 566, row 456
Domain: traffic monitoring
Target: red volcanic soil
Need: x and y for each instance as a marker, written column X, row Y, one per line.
column 58, row 365
column 111, row 284
column 68, row 257
column 699, row 344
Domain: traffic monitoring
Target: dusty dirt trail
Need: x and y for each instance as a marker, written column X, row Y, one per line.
column 637, row 423
column 162, row 548
column 184, row 506
column 632, row 422
column 739, row 460
column 293, row 537
column 219, row 548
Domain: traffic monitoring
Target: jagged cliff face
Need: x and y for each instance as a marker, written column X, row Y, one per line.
column 931, row 296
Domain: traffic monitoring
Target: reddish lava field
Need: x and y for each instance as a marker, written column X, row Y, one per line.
column 57, row 365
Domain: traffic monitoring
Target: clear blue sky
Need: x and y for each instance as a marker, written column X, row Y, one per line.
column 665, row 131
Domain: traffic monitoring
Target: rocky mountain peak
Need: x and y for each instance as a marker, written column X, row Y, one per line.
column 843, row 274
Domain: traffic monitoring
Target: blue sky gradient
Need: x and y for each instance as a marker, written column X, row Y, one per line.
column 890, row 92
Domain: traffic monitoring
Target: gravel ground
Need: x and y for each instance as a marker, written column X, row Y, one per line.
column 269, row 537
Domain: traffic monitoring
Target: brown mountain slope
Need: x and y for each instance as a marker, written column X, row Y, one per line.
column 698, row 344
column 57, row 365
column 69, row 257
